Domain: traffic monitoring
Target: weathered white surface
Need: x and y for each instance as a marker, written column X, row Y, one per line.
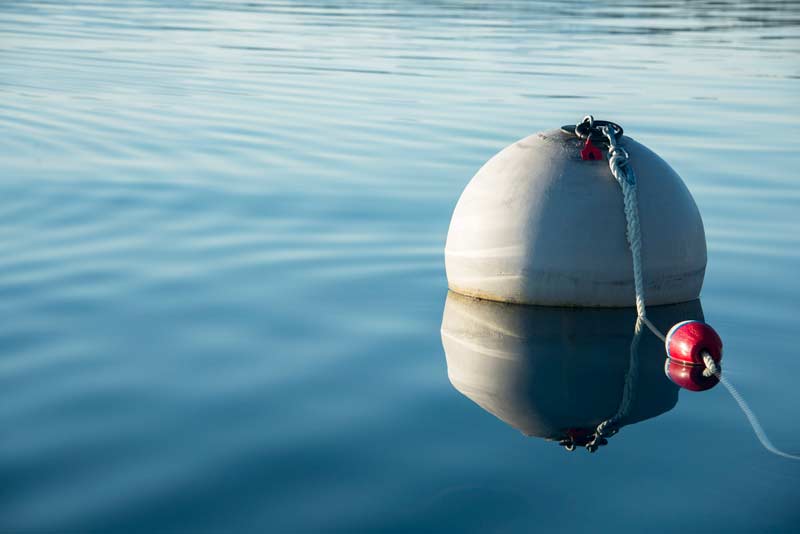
column 543, row 370
column 536, row 225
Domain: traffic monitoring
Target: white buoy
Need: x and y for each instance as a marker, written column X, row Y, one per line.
column 539, row 225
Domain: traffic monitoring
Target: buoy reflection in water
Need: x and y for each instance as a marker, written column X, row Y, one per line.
column 557, row 373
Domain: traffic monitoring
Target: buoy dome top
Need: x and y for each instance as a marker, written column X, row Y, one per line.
column 538, row 225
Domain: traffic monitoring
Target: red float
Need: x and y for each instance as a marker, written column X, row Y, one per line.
column 687, row 341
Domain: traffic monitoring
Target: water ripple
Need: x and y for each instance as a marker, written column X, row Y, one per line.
column 221, row 278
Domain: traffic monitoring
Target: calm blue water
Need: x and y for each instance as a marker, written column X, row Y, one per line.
column 221, row 261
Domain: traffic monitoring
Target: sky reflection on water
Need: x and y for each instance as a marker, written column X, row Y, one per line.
column 222, row 281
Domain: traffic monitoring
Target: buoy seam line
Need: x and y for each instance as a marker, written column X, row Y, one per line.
column 618, row 162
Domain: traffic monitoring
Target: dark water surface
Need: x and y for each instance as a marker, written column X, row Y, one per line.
column 221, row 262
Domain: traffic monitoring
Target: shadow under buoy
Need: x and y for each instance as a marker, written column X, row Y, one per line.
column 562, row 374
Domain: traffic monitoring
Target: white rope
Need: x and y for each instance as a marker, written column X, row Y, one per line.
column 619, row 165
column 622, row 171
column 713, row 369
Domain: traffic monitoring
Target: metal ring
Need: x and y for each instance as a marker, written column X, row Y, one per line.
column 591, row 128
